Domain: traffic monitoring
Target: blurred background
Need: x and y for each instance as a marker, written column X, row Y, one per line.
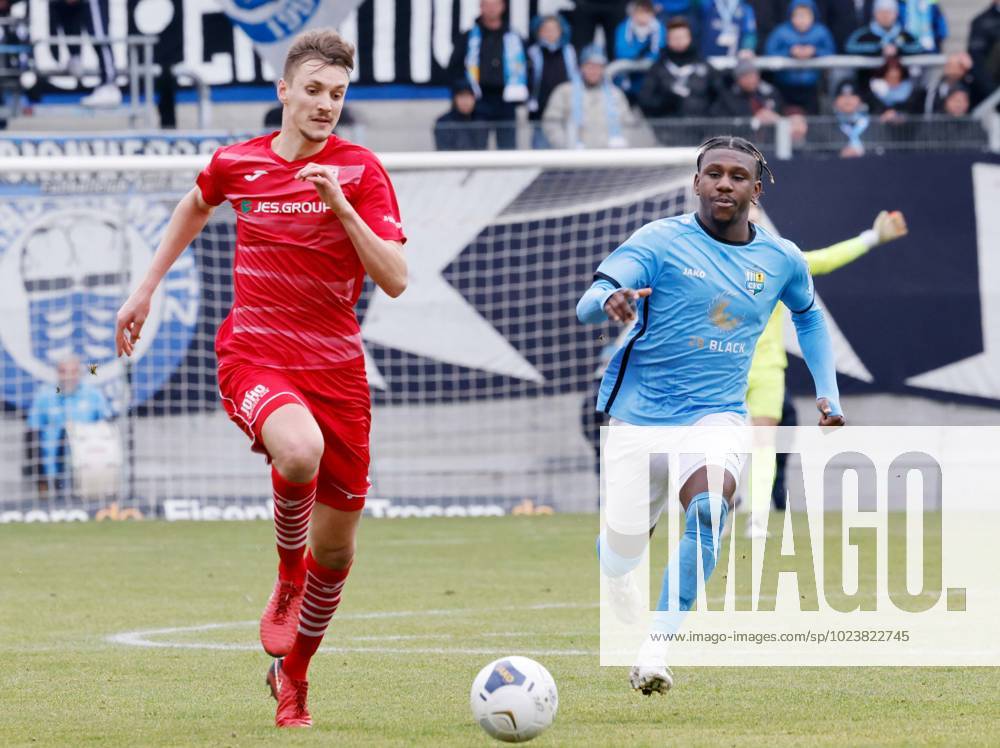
column 791, row 72
column 481, row 376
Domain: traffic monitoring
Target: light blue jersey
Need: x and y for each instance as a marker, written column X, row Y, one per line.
column 52, row 410
column 690, row 350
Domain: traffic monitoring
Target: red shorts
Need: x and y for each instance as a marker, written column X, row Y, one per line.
column 339, row 401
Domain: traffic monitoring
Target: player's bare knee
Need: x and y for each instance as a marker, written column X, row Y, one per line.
column 297, row 458
column 333, row 556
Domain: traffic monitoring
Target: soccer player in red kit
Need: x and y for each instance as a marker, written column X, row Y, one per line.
column 314, row 213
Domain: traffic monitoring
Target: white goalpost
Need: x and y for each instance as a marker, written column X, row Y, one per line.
column 482, row 379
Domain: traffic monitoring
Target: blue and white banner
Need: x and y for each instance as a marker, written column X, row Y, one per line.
column 273, row 24
column 243, row 42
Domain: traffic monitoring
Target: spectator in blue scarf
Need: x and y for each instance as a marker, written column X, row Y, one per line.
column 925, row 21
column 551, row 61
column 884, row 36
column 641, row 36
column 728, row 28
column 802, row 37
column 589, row 112
column 852, row 118
column 492, row 58
column 893, row 93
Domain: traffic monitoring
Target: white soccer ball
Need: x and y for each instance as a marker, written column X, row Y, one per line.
column 514, row 699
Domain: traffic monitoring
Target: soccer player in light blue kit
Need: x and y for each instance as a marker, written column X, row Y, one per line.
column 703, row 286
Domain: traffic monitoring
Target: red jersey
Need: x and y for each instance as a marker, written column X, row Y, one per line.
column 296, row 274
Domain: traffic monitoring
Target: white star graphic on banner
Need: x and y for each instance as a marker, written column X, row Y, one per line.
column 979, row 375
column 443, row 212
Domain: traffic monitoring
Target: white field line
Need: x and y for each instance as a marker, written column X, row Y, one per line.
column 145, row 638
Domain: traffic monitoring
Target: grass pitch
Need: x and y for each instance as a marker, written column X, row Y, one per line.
column 429, row 602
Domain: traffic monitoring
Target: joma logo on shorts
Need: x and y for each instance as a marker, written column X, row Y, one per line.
column 251, row 399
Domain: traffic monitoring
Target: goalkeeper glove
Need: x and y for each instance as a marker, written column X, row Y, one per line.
column 889, row 225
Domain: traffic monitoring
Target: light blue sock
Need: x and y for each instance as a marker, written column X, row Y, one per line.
column 613, row 564
column 698, row 533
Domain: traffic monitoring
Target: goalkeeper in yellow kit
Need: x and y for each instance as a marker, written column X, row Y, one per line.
column 766, row 383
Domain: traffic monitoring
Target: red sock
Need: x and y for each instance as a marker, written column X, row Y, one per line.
column 293, row 503
column 322, row 596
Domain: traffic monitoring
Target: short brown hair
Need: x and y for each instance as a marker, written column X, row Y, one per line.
column 325, row 45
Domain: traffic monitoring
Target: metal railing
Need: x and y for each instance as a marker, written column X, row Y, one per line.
column 180, row 70
column 980, row 129
column 141, row 69
column 142, row 72
column 920, row 133
column 829, row 62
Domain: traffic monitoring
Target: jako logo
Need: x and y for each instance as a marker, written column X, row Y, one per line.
column 273, row 207
column 251, row 398
column 694, row 273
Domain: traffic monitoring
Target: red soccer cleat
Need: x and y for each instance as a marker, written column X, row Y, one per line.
column 281, row 618
column 291, row 697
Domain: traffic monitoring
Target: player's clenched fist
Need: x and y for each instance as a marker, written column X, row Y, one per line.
column 890, row 225
column 325, row 180
column 620, row 306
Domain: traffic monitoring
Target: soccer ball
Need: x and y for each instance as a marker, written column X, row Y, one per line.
column 514, row 699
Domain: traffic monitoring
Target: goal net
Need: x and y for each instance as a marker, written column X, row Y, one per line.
column 482, row 378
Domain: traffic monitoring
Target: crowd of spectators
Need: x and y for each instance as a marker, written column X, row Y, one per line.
column 661, row 79
column 559, row 74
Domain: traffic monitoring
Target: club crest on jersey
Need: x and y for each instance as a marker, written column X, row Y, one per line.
column 66, row 266
column 755, row 281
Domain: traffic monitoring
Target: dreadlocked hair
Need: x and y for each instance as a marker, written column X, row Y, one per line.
column 733, row 143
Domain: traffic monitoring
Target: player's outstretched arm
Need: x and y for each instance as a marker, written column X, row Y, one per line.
column 383, row 259
column 888, row 226
column 603, row 302
column 814, row 340
column 187, row 221
column 624, row 277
